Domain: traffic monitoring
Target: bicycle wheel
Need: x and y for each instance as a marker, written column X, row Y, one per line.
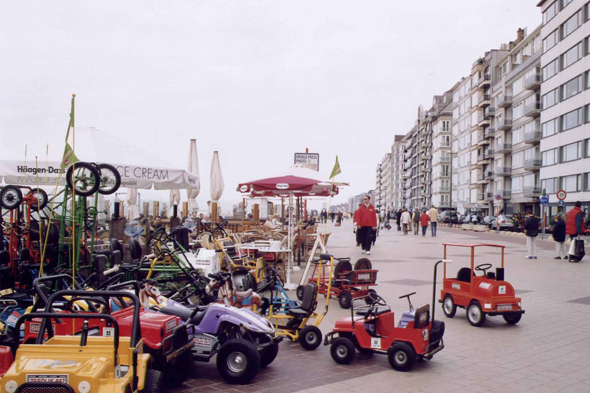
column 41, row 197
column 10, row 197
column 83, row 178
column 110, row 179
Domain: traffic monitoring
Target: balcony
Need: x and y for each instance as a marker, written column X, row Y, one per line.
column 532, row 137
column 483, row 121
column 504, row 101
column 481, row 178
column 533, row 110
column 506, row 194
column 489, row 133
column 489, row 112
column 481, row 140
column 533, row 82
column 489, row 175
column 480, row 197
column 504, row 125
column 532, row 191
column 489, row 196
column 445, row 189
column 503, row 171
column 407, row 174
column 445, row 159
column 485, row 80
column 484, row 100
column 488, row 154
column 532, row 164
column 503, row 148
column 408, row 165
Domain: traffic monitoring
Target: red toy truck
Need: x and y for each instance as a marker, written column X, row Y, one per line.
column 481, row 295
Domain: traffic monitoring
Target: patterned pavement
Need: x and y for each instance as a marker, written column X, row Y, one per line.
column 548, row 351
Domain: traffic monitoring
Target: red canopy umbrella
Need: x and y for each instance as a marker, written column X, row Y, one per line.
column 282, row 186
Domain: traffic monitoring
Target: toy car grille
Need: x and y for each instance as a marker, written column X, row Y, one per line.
column 44, row 388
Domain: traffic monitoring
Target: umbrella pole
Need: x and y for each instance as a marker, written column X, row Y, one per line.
column 243, row 212
column 282, row 212
column 288, row 284
column 213, row 217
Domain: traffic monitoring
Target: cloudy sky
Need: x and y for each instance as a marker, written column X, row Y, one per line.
column 255, row 80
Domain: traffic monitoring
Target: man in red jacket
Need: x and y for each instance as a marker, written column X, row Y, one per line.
column 366, row 222
column 574, row 224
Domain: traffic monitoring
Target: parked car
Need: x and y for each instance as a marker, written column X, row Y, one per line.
column 449, row 217
column 505, row 222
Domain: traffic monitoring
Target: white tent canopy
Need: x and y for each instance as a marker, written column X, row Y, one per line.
column 138, row 168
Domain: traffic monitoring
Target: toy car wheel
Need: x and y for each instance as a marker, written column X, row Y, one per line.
column 310, row 337
column 154, row 383
column 269, row 354
column 368, row 299
column 10, row 197
column 342, row 267
column 84, row 178
column 342, row 350
column 41, row 197
column 363, row 264
column 238, row 361
column 345, row 299
column 401, row 357
column 449, row 307
column 300, row 290
column 512, row 317
column 110, row 179
column 475, row 315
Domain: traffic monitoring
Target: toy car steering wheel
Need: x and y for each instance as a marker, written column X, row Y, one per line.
column 70, row 303
column 376, row 299
column 483, row 267
column 159, row 236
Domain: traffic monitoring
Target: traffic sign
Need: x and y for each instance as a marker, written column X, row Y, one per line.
column 544, row 200
column 561, row 194
column 498, row 197
column 560, row 203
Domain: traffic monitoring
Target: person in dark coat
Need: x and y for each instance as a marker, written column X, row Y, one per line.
column 559, row 237
column 531, row 228
column 399, row 222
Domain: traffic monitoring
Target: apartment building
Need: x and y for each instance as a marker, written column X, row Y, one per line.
column 516, row 138
column 441, row 117
column 382, row 182
column 565, row 132
column 396, row 167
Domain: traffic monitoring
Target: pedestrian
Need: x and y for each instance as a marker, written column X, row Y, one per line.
column 367, row 222
column 416, row 221
column 406, row 221
column 558, row 232
column 433, row 214
column 399, row 219
column 356, row 225
column 531, row 228
column 375, row 232
column 424, row 220
column 574, row 225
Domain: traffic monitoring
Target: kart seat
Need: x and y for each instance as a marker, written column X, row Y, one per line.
column 184, row 313
column 379, row 310
column 307, row 306
column 464, row 274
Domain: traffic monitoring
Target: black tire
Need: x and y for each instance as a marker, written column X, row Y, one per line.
column 448, row 306
column 368, row 298
column 475, row 315
column 342, row 350
column 10, row 197
column 401, row 356
column 299, row 291
column 91, row 178
column 345, row 299
column 363, row 264
column 41, row 197
column 154, row 382
column 177, row 372
column 269, row 354
column 310, row 337
column 341, row 268
column 512, row 318
column 238, row 361
column 110, row 179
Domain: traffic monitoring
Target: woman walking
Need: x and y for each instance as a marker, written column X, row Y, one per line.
column 424, row 220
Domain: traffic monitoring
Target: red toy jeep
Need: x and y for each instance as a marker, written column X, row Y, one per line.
column 480, row 295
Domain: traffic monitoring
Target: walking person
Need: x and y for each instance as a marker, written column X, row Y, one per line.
column 574, row 226
column 406, row 220
column 424, row 220
column 433, row 214
column 531, row 228
column 356, row 225
column 367, row 222
column 558, row 232
column 398, row 217
column 416, row 221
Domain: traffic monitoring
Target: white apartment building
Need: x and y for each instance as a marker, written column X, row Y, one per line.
column 382, row 182
column 441, row 121
column 565, row 65
column 396, row 167
column 461, row 146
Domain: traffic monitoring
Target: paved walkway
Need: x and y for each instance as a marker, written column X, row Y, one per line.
column 548, row 351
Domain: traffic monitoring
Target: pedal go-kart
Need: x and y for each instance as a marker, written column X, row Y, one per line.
column 481, row 295
column 372, row 330
column 83, row 363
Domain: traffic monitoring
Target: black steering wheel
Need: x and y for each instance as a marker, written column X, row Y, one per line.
column 89, row 300
column 159, row 236
column 376, row 300
column 483, row 268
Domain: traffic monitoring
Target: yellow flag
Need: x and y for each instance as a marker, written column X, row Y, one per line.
column 336, row 169
column 69, row 157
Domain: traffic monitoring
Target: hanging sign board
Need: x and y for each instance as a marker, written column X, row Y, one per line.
column 308, row 160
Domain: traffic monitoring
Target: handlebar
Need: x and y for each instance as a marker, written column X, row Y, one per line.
column 111, row 270
column 408, row 295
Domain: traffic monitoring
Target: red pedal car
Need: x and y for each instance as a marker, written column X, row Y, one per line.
column 481, row 295
column 372, row 329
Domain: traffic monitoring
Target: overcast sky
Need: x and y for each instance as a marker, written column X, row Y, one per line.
column 255, row 80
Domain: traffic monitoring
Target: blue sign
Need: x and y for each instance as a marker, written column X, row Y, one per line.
column 544, row 200
column 561, row 203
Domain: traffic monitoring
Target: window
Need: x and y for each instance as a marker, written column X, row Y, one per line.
column 550, row 69
column 571, row 119
column 587, row 142
column 571, row 183
column 571, row 56
column 550, row 12
column 517, row 135
column 571, row 88
column 517, row 160
column 446, row 125
column 549, row 128
column 517, row 58
column 518, row 86
column 537, row 44
column 445, row 141
column 549, row 157
column 550, row 185
column 531, row 126
column 550, row 99
column 518, row 111
column 564, row 3
column 550, row 41
column 531, row 154
column 571, row 152
column 445, row 170
column 517, row 184
column 571, row 24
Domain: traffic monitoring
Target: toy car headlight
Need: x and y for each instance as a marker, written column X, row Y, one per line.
column 84, row 387
column 11, row 386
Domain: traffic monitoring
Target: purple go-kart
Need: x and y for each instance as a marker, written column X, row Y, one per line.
column 242, row 340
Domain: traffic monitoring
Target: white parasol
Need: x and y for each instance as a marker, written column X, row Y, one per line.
column 193, row 167
column 217, row 185
column 132, row 208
